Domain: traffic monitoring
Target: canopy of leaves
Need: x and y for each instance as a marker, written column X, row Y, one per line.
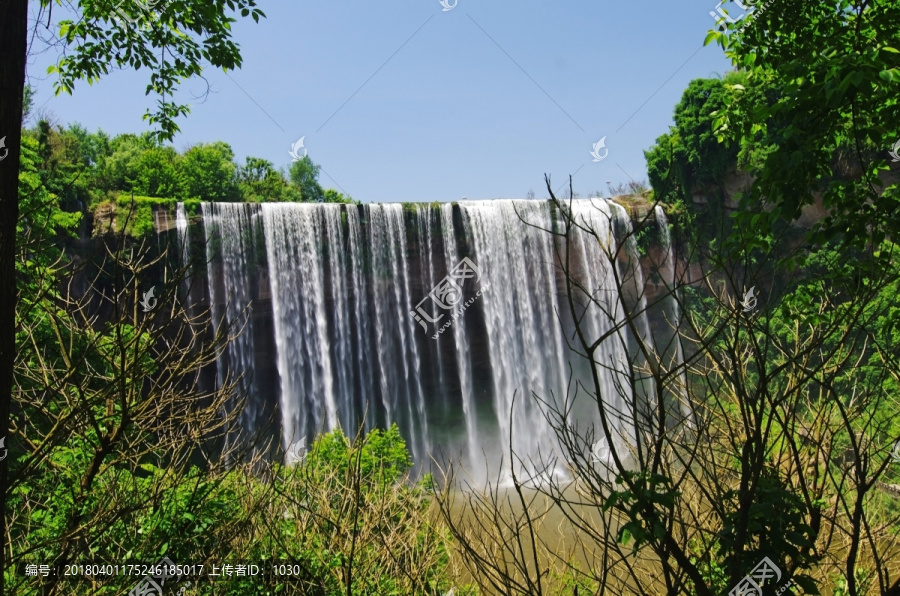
column 829, row 116
column 690, row 155
column 85, row 169
column 172, row 39
column 304, row 175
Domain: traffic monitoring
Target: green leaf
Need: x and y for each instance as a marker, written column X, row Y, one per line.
column 891, row 75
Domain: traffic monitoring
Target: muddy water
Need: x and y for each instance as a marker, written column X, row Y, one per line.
column 568, row 534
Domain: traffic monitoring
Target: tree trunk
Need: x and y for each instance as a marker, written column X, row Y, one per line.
column 13, row 48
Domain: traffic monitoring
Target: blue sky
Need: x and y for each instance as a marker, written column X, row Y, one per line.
column 479, row 101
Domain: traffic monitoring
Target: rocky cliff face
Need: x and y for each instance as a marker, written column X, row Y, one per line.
column 736, row 182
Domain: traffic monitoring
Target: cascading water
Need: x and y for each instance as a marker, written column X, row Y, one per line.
column 232, row 232
column 181, row 224
column 461, row 349
column 375, row 318
column 603, row 266
column 295, row 246
column 365, row 357
column 668, row 340
column 527, row 350
column 424, row 227
column 397, row 352
column 184, row 243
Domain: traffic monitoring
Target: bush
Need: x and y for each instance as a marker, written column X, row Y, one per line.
column 349, row 515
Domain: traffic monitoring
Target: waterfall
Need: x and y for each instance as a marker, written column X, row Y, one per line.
column 451, row 321
column 295, row 246
column 184, row 248
column 602, row 265
column 181, row 224
column 424, row 230
column 527, row 351
column 397, row 352
column 232, row 232
column 461, row 347
column 362, row 307
column 668, row 340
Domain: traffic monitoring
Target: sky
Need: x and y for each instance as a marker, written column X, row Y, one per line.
column 407, row 101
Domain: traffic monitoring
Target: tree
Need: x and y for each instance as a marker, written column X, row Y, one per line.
column 118, row 168
column 69, row 161
column 824, row 130
column 27, row 102
column 259, row 181
column 304, row 175
column 354, row 520
column 110, row 419
column 690, row 156
column 208, row 172
column 770, row 437
column 334, row 196
column 173, row 43
column 13, row 25
column 158, row 173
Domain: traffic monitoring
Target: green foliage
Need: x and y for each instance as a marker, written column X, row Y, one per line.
column 192, row 206
column 38, row 206
column 572, row 580
column 27, row 101
column 135, row 214
column 642, row 501
column 776, row 525
column 864, row 579
column 208, row 172
column 259, row 181
column 819, row 115
column 65, row 157
column 158, row 173
column 118, row 168
column 85, row 170
column 304, row 175
column 347, row 513
column 174, row 42
column 382, row 457
column 690, row 156
column 333, row 196
column 712, row 570
column 184, row 520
